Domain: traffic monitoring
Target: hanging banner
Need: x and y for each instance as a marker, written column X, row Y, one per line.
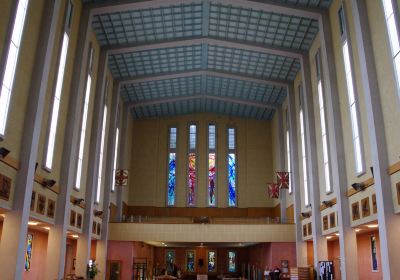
column 121, row 177
column 273, row 190
column 282, row 179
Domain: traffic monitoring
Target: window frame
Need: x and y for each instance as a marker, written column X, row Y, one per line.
column 232, row 151
column 345, row 39
column 5, row 56
column 82, row 122
column 169, row 151
column 68, row 18
column 212, row 151
column 327, row 167
column 190, row 151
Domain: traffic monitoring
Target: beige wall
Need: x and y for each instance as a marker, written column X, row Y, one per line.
column 149, row 160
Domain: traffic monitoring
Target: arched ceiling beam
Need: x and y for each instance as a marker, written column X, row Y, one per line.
column 254, row 47
column 151, row 78
column 265, row 5
column 149, row 102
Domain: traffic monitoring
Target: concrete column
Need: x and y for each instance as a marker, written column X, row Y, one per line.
column 301, row 246
column 389, row 223
column 101, row 250
column 320, row 244
column 347, row 238
column 281, row 165
column 57, row 234
column 15, row 226
column 122, row 157
column 84, row 241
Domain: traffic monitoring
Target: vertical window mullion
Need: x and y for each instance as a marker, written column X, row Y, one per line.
column 11, row 63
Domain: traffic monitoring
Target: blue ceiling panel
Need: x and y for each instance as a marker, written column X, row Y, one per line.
column 155, row 61
column 252, row 63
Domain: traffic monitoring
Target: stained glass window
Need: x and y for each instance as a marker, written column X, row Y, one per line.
column 231, row 261
column 232, row 167
column 191, row 194
column 211, row 165
column 170, row 260
column 28, row 254
column 172, row 167
column 190, row 260
column 212, row 261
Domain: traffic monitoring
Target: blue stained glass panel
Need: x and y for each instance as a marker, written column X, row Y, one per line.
column 231, row 261
column 171, row 179
column 231, row 180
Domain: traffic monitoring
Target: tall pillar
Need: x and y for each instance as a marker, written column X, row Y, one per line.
column 122, row 157
column 301, row 246
column 281, row 161
column 101, row 250
column 320, row 248
column 389, row 223
column 347, row 236
column 15, row 226
column 58, row 232
column 84, row 241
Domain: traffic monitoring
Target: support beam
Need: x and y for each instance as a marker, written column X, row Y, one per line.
column 320, row 244
column 122, row 158
column 301, row 246
column 227, row 43
column 389, row 223
column 168, row 76
column 281, row 162
column 265, row 6
column 203, row 96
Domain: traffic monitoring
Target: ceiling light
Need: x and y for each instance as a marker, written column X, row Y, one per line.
column 162, row 243
column 33, row 223
column 46, row 228
column 372, row 226
column 337, row 234
column 75, row 236
column 357, row 229
column 165, row 245
column 329, row 237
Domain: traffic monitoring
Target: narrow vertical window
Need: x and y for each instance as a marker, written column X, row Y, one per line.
column 115, row 158
column 84, row 121
column 324, row 133
column 231, row 261
column 351, row 96
column 101, row 155
column 232, row 167
column 211, row 165
column 393, row 38
column 212, row 261
column 303, row 148
column 170, row 260
column 288, row 151
column 51, row 137
column 192, row 176
column 11, row 63
column 190, row 260
column 172, row 166
column 374, row 259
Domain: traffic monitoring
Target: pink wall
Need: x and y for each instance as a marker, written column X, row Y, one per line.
column 283, row 251
column 364, row 257
column 121, row 251
column 39, row 252
column 363, row 254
